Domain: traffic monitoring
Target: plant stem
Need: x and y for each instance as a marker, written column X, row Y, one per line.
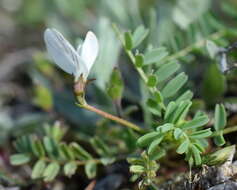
column 198, row 44
column 139, row 70
column 96, row 161
column 230, row 130
column 78, row 162
column 132, row 58
column 226, row 131
column 113, row 118
column 84, row 162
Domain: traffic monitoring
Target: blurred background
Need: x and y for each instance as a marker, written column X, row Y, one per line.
column 33, row 91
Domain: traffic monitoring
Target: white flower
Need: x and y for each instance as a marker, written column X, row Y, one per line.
column 77, row 62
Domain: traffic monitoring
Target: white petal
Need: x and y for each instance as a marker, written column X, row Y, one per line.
column 81, row 69
column 63, row 54
column 79, row 49
column 90, row 49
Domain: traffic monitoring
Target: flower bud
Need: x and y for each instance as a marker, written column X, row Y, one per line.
column 79, row 89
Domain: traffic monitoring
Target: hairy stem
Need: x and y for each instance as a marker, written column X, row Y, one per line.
column 113, row 118
column 132, row 58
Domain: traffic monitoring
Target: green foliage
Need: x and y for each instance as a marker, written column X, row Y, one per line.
column 168, row 100
column 175, row 37
column 50, row 153
column 116, row 86
column 80, row 153
column 220, row 117
column 100, row 147
column 128, row 40
column 196, row 122
column 132, row 40
column 90, row 169
column 143, row 166
column 187, row 11
column 139, row 35
column 188, row 137
column 70, row 168
column 38, row 169
column 167, row 70
column 51, row 171
column 152, row 81
column 220, row 123
column 147, row 139
column 139, row 60
column 214, row 84
column 174, row 85
column 155, row 55
column 18, row 159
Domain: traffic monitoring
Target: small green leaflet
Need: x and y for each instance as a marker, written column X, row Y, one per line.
column 70, row 168
column 174, row 85
column 155, row 55
column 51, row 171
column 196, row 155
column 178, row 133
column 197, row 122
column 139, row 35
column 188, row 95
column 220, row 117
column 183, row 147
column 154, row 145
column 201, row 134
column 166, row 70
column 137, row 169
column 90, row 169
column 147, row 139
column 38, row 169
column 170, row 109
column 19, row 159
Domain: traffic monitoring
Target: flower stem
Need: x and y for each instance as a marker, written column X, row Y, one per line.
column 112, row 117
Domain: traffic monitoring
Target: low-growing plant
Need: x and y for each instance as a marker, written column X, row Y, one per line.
column 169, row 102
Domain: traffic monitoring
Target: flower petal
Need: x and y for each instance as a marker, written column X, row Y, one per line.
column 81, row 69
column 79, row 49
column 89, row 49
column 63, row 54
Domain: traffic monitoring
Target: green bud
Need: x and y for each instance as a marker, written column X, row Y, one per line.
column 152, row 81
column 128, row 40
column 116, row 86
column 139, row 60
